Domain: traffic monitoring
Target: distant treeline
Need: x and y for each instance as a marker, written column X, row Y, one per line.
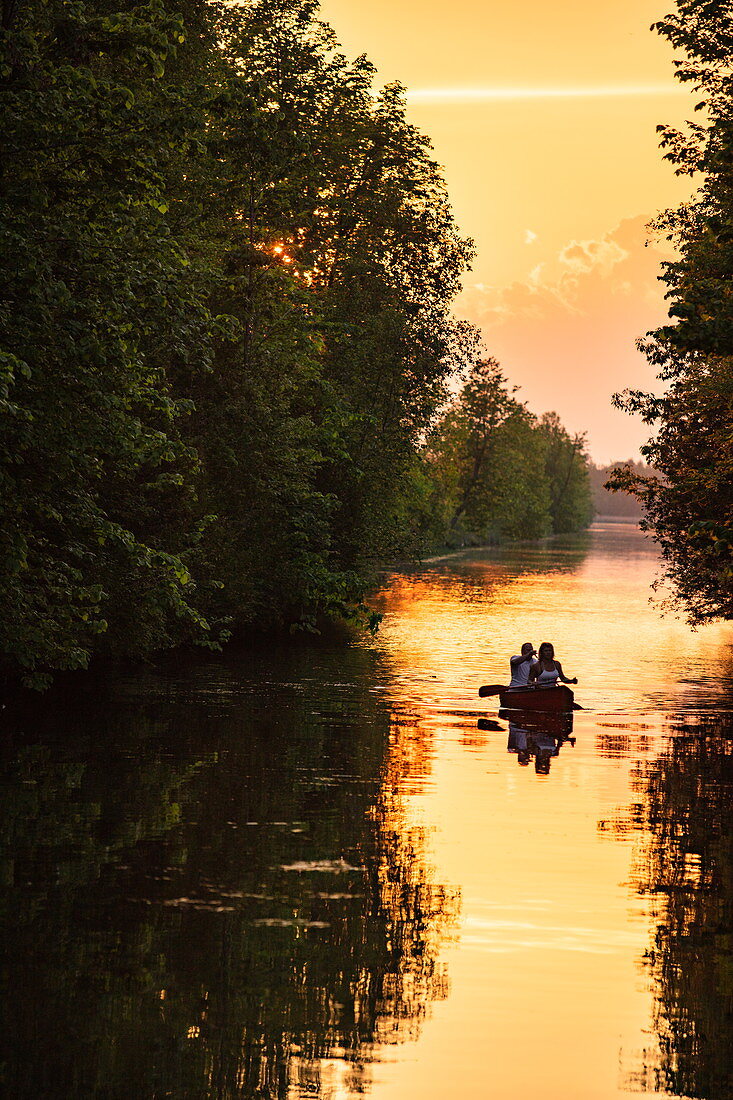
column 621, row 504
column 227, row 268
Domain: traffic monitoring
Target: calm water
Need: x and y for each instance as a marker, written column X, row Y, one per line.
column 319, row 872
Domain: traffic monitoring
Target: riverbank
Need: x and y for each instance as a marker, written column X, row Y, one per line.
column 498, row 544
column 252, row 638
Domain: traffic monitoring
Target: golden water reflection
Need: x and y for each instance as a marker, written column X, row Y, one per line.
column 328, row 870
column 550, row 995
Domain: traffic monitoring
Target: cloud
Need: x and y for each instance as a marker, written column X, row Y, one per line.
column 529, row 236
column 582, row 256
column 567, row 333
column 586, row 277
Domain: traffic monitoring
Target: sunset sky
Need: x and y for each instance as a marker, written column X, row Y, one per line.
column 543, row 117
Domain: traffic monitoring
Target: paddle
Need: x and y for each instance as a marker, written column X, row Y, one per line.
column 495, row 689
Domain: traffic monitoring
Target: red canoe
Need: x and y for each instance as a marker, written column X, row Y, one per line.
column 556, row 698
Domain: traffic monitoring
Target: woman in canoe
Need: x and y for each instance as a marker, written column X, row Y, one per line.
column 547, row 671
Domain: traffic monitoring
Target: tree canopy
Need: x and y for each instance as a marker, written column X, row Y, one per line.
column 689, row 507
column 227, row 264
column 495, row 470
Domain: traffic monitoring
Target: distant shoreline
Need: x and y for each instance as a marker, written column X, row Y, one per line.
column 523, row 542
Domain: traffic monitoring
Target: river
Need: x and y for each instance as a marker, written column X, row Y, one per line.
column 315, row 869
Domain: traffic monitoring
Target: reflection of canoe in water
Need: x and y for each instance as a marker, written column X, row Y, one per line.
column 557, row 723
column 555, row 699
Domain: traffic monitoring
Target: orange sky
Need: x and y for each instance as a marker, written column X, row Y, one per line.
column 543, row 116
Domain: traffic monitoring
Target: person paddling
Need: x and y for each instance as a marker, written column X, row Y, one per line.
column 522, row 665
column 546, row 671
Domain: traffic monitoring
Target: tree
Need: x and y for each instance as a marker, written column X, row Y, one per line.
column 619, row 505
column 566, row 470
column 341, row 257
column 95, row 479
column 690, row 507
column 485, row 405
column 497, row 472
column 229, row 263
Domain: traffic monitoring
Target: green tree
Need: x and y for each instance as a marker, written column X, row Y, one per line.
column 484, row 406
column 497, row 471
column 689, row 508
column 568, row 481
column 226, row 325
column 94, row 476
column 339, row 258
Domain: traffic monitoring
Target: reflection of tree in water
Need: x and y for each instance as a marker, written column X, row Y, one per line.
column 208, row 903
column 687, row 868
column 484, row 572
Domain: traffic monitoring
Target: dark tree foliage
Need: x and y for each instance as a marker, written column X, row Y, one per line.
column 690, row 507
column 343, row 258
column 226, row 266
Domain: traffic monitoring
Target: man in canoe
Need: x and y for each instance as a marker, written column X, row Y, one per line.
column 546, row 671
column 522, row 665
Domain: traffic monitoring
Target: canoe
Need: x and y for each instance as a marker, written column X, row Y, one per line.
column 555, row 699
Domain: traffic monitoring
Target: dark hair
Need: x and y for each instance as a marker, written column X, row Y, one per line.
column 546, row 645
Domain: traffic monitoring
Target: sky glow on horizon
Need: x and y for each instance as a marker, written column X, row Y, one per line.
column 544, row 119
column 463, row 95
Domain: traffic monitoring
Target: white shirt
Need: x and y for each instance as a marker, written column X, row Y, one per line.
column 520, row 671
